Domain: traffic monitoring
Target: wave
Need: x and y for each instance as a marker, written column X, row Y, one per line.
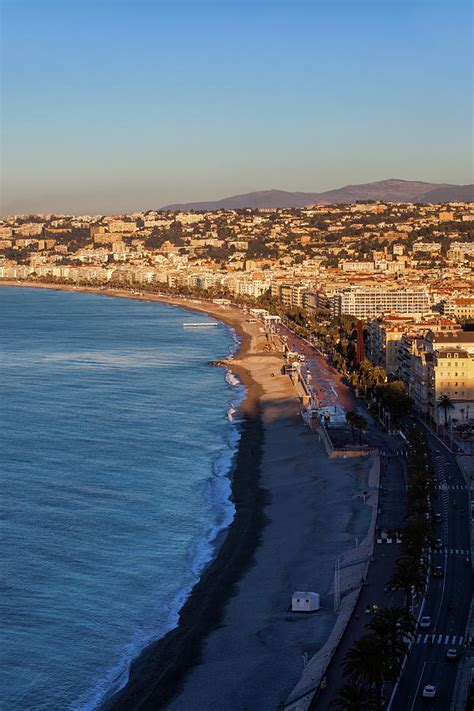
column 219, row 490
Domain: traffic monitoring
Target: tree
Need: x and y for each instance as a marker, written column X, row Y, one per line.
column 379, row 375
column 393, row 625
column 408, row 574
column 366, row 662
column 360, row 423
column 445, row 402
column 351, row 418
column 393, row 398
column 354, row 696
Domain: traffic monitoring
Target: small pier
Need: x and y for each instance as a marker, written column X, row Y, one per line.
column 202, row 324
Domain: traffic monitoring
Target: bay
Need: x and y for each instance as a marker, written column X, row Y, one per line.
column 116, row 446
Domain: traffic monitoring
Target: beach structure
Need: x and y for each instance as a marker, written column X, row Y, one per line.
column 270, row 319
column 201, row 324
column 259, row 313
column 305, row 602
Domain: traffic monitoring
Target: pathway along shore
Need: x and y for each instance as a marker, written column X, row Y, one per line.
column 236, row 645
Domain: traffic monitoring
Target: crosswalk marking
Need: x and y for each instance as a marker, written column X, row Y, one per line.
column 441, row 639
column 453, row 551
column 450, row 487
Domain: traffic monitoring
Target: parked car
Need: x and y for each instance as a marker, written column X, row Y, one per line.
column 438, row 517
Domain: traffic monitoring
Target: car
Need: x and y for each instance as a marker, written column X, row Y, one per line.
column 437, row 571
column 438, row 517
column 438, row 543
column 425, row 622
column 429, row 691
column 452, row 655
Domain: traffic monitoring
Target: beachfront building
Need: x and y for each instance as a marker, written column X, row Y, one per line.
column 373, row 301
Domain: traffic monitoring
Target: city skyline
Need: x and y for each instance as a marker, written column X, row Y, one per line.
column 111, row 108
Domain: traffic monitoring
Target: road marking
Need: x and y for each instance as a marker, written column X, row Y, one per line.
column 418, row 687
column 452, row 641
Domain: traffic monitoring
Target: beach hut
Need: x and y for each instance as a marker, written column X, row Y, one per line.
column 305, row 602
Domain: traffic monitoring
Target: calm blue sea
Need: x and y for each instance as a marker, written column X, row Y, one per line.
column 116, row 438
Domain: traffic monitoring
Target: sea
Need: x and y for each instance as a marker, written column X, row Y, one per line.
column 117, row 439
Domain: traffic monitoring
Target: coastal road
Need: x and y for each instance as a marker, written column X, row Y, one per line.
column 327, row 380
column 448, row 599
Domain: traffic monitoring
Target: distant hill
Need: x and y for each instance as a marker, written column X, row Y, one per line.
column 451, row 193
column 263, row 198
column 392, row 190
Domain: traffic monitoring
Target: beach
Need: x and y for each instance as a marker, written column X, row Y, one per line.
column 237, row 645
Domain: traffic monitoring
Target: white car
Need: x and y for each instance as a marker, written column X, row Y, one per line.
column 429, row 691
column 425, row 622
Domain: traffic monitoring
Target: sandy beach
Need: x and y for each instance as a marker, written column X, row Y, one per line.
column 237, row 646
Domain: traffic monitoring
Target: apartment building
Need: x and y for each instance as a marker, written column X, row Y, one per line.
column 438, row 364
column 384, row 337
column 461, row 308
column 459, row 251
column 388, row 336
column 451, row 373
column 125, row 226
column 369, row 302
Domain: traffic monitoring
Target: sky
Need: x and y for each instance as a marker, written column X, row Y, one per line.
column 109, row 107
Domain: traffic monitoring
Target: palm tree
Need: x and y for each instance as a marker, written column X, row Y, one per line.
column 360, row 423
column 367, row 662
column 355, row 697
column 351, row 418
column 445, row 402
column 393, row 625
column 409, row 573
column 379, row 375
column 354, row 379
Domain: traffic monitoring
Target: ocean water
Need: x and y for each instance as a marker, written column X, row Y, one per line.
column 116, row 441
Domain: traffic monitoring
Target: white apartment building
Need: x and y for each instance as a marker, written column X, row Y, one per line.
column 459, row 251
column 369, row 302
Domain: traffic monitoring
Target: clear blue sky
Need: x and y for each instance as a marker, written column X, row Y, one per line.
column 115, row 106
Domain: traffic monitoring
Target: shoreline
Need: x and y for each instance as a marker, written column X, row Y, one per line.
column 190, row 664
column 156, row 675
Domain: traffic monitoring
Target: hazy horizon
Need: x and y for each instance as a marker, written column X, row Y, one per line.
column 113, row 107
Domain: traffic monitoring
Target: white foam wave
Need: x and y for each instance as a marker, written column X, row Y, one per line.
column 219, row 493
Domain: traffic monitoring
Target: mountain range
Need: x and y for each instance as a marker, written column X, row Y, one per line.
column 392, row 190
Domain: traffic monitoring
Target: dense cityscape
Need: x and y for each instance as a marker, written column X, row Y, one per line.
column 405, row 270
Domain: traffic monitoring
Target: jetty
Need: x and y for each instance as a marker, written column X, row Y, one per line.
column 202, row 324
